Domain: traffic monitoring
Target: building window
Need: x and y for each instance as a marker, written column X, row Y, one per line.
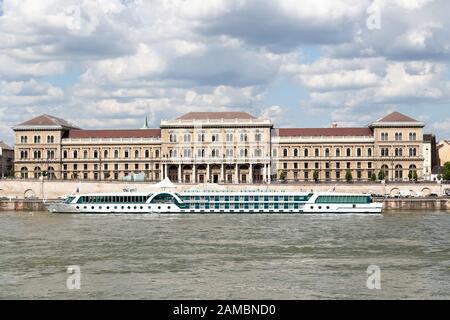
column 316, row 152
column 50, row 139
column 127, row 153
column 338, row 152
column 105, row 154
column 258, row 153
column 369, row 152
column 95, row 154
column 24, row 139
column 398, row 136
column 285, row 165
column 187, row 153
column 244, row 137
column 201, row 137
column 295, row 152
column 229, row 137
column 348, row 165
column 385, row 152
column 398, row 172
column 316, row 165
column 349, row 152
column 412, row 152
column 398, row 152
column 37, row 139
column 412, row 136
column 85, row 154
column 136, row 154
column 306, row 153
column 327, row 152
column 338, row 165
column 285, row 153
column 258, row 137
column 147, row 153
column 116, row 154
column 306, row 165
column 215, row 137
column 229, row 153
column 173, row 137
column 358, row 152
column 187, row 137
column 384, row 136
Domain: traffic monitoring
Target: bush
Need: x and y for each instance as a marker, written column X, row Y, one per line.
column 373, row 177
column 316, row 176
column 348, row 176
column 446, row 171
column 381, row 175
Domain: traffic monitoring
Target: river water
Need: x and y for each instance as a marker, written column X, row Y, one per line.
column 225, row 256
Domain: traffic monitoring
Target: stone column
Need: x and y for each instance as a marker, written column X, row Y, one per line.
column 236, row 173
column 207, row 173
column 250, row 179
column 166, row 171
column 222, row 168
column 180, row 178
column 268, row 173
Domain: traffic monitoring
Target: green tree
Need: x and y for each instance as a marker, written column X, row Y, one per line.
column 316, row 175
column 381, row 175
column 282, row 175
column 373, row 177
column 446, row 171
column 410, row 175
column 348, row 176
column 415, row 177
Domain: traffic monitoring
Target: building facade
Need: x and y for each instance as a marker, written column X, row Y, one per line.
column 221, row 147
column 6, row 160
column 443, row 152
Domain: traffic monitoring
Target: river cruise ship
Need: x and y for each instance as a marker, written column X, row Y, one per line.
column 217, row 202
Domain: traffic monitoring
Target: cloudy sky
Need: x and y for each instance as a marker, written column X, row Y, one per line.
column 302, row 63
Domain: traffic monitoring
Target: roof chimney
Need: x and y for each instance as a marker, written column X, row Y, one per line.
column 334, row 124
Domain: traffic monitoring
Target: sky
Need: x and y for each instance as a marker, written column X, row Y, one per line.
column 302, row 63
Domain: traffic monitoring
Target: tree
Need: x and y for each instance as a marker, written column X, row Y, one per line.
column 381, row 175
column 282, row 175
column 348, row 176
column 446, row 171
column 410, row 175
column 373, row 177
column 316, row 176
column 415, row 177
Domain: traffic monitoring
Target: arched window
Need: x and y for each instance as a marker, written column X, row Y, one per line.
column 327, row 152
column 295, row 152
column 65, row 154
column 398, row 172
column 75, row 154
column 285, row 153
column 147, row 153
column 116, row 154
column 24, row 173
column 157, row 153
column 136, row 154
column 338, row 152
column 51, row 173
column 37, row 172
column 105, row 154
column 358, row 152
column 316, row 152
column 306, row 153
column 369, row 152
column 95, row 154
column 349, row 152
